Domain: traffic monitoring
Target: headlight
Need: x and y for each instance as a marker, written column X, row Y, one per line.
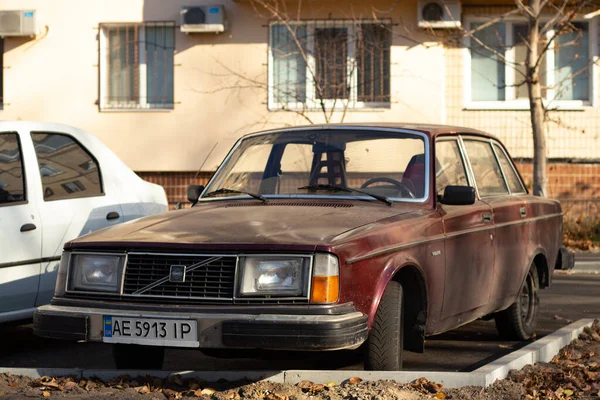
column 98, row 273
column 274, row 276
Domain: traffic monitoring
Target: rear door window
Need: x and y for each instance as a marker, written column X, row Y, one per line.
column 67, row 169
column 12, row 176
column 509, row 171
column 486, row 169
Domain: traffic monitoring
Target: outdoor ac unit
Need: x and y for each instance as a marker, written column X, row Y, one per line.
column 18, row 23
column 203, row 19
column 439, row 14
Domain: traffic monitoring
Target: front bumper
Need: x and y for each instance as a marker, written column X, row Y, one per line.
column 218, row 330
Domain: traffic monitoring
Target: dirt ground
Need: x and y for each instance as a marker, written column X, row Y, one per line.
column 573, row 374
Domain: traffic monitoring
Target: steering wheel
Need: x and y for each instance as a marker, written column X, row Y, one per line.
column 401, row 186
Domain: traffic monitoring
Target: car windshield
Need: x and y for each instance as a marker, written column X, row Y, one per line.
column 357, row 163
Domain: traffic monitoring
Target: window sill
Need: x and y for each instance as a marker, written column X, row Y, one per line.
column 136, row 110
column 524, row 106
column 371, row 107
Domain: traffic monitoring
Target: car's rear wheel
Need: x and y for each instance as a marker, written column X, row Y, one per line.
column 518, row 322
column 130, row 356
column 383, row 349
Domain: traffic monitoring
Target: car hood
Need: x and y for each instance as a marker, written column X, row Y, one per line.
column 249, row 223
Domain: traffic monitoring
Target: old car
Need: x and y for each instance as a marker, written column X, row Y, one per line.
column 57, row 182
column 366, row 237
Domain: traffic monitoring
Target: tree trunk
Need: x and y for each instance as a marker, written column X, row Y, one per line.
column 537, row 111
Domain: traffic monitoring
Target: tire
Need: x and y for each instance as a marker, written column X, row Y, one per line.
column 384, row 346
column 518, row 322
column 130, row 356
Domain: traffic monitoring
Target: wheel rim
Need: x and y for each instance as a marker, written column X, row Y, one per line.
column 528, row 300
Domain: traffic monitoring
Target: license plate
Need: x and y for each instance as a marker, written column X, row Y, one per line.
column 151, row 331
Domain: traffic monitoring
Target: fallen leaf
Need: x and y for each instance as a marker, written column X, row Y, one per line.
column 330, row 384
column 304, row 385
column 440, row 395
column 354, row 380
column 208, row 391
column 142, row 389
column 568, row 392
column 13, row 384
column 72, row 385
column 46, row 394
column 317, row 388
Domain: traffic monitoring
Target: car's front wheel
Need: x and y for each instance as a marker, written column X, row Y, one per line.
column 130, row 356
column 518, row 322
column 383, row 349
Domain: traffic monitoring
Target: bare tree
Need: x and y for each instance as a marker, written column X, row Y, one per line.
column 549, row 22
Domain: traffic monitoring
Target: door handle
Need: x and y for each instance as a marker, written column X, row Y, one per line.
column 28, row 227
column 487, row 217
column 112, row 215
column 523, row 212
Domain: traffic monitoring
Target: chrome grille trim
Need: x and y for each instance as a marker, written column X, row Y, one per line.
column 212, row 280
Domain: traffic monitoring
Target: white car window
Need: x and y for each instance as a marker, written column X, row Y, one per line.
column 12, row 180
column 67, row 169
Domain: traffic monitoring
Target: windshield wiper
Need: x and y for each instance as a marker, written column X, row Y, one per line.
column 349, row 190
column 225, row 190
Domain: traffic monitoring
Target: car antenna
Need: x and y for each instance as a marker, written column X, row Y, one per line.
column 178, row 206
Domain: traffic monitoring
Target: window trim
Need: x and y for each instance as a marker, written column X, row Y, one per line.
column 312, row 104
column 85, row 149
column 523, row 104
column 103, row 67
column 23, row 174
column 495, row 144
column 453, row 138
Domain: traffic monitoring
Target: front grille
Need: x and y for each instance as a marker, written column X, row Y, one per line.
column 215, row 280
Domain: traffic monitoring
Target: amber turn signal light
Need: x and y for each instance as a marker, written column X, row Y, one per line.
column 325, row 289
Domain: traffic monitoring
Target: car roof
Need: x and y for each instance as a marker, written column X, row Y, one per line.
column 431, row 130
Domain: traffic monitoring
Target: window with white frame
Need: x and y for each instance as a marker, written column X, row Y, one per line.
column 343, row 64
column 136, row 69
column 495, row 73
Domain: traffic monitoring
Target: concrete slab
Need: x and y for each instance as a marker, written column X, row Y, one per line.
column 209, row 376
column 542, row 350
column 36, row 373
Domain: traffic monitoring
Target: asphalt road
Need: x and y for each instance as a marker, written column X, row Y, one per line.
column 571, row 297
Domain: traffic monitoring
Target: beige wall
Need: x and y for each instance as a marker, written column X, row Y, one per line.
column 54, row 77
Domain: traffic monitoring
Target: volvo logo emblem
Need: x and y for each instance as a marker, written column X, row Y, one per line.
column 177, row 273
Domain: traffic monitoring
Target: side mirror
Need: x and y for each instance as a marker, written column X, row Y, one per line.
column 458, row 195
column 193, row 192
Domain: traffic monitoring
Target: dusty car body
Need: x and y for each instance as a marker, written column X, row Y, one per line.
column 451, row 236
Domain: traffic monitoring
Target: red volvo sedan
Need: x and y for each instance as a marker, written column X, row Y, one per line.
column 319, row 238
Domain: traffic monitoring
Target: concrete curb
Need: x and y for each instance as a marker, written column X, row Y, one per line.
column 542, row 350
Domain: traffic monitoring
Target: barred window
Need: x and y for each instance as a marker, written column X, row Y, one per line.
column 339, row 63
column 137, row 65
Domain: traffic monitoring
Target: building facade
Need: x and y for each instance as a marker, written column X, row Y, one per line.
column 167, row 101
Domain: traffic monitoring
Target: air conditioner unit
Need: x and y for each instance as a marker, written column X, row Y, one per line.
column 18, row 23
column 203, row 19
column 439, row 14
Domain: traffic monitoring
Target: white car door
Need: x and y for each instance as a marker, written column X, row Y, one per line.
column 75, row 198
column 20, row 228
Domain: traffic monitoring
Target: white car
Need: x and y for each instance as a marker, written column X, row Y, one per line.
column 57, row 183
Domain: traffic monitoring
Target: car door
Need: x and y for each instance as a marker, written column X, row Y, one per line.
column 512, row 230
column 469, row 251
column 74, row 198
column 510, row 234
column 20, row 228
